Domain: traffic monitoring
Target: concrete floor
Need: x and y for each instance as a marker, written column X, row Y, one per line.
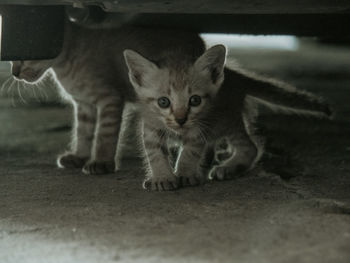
column 52, row 215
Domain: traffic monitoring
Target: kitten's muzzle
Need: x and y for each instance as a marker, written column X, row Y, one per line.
column 29, row 74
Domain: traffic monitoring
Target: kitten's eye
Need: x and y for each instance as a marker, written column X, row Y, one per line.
column 195, row 100
column 163, row 102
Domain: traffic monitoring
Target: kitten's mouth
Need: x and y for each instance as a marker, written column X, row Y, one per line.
column 179, row 129
column 28, row 75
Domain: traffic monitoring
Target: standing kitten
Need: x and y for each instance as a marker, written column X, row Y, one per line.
column 93, row 77
column 189, row 99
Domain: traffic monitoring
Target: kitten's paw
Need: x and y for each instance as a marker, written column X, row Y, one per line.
column 191, row 180
column 99, row 167
column 69, row 160
column 161, row 183
column 227, row 172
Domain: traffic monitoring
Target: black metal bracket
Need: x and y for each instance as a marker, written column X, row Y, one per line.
column 31, row 32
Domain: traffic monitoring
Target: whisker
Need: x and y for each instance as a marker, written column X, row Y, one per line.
column 202, row 136
column 204, row 131
column 38, row 92
column 10, row 87
column 13, row 90
column 4, row 84
column 32, row 87
column 42, row 91
column 20, row 94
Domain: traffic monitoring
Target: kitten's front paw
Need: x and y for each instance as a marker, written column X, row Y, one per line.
column 69, row 160
column 166, row 183
column 190, row 180
column 227, row 172
column 99, row 167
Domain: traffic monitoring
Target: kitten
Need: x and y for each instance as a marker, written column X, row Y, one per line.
column 92, row 76
column 204, row 106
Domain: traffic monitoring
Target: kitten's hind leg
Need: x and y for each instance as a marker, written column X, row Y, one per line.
column 83, row 134
column 109, row 117
column 242, row 159
column 129, row 137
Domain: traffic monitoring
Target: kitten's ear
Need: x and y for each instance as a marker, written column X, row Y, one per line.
column 212, row 62
column 138, row 66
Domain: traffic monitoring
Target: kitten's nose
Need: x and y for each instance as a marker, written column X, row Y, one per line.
column 181, row 121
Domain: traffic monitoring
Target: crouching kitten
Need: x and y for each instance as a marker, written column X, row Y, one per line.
column 199, row 102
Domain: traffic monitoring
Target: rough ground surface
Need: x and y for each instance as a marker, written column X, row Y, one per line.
column 52, row 215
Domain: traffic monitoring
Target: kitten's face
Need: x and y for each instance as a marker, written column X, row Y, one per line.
column 178, row 98
column 30, row 71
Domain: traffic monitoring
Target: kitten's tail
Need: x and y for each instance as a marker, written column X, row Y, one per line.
column 282, row 95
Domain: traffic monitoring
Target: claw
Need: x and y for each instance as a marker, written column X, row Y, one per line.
column 147, row 185
column 70, row 160
column 189, row 181
column 96, row 167
column 157, row 184
column 221, row 173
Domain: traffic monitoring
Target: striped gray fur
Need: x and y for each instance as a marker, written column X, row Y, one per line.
column 217, row 138
column 92, row 76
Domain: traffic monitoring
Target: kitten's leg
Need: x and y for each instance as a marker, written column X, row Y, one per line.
column 83, row 133
column 129, row 137
column 174, row 149
column 208, row 160
column 192, row 165
column 159, row 175
column 242, row 159
column 109, row 116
